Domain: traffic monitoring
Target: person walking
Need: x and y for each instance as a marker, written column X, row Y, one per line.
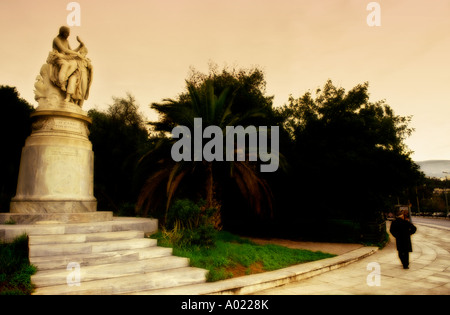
column 402, row 229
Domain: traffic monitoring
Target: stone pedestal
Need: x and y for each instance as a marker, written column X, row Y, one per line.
column 57, row 167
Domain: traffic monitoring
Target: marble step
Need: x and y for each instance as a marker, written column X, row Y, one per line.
column 107, row 271
column 89, row 248
column 61, row 262
column 128, row 284
column 148, row 226
column 83, row 238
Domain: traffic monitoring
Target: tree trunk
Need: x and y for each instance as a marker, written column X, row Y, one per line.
column 209, row 186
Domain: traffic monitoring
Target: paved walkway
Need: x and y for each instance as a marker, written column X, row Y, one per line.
column 382, row 273
column 331, row 248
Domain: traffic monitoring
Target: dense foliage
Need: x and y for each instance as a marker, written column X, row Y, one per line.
column 351, row 162
column 15, row 127
column 343, row 159
column 191, row 224
column 230, row 98
column 119, row 138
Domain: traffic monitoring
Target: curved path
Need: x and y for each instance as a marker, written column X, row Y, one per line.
column 382, row 273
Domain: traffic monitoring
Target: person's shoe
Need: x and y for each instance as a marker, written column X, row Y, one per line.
column 405, row 267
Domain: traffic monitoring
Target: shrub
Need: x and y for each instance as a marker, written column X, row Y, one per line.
column 190, row 223
column 15, row 268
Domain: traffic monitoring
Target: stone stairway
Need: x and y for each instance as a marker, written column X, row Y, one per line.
column 88, row 260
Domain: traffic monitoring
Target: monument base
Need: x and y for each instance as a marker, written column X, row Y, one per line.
column 53, row 206
column 57, row 165
column 54, row 218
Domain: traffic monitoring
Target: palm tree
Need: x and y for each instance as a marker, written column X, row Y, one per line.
column 200, row 102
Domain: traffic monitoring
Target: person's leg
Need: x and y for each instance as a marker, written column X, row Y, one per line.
column 72, row 67
column 71, row 85
column 68, row 67
column 62, row 77
column 404, row 258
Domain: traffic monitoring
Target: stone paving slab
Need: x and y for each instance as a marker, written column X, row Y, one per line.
column 429, row 271
column 325, row 247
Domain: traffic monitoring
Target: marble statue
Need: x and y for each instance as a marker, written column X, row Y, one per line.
column 57, row 162
column 67, row 75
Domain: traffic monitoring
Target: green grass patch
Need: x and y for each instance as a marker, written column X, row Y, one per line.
column 15, row 268
column 233, row 256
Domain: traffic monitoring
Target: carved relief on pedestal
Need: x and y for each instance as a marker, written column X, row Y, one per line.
column 61, row 124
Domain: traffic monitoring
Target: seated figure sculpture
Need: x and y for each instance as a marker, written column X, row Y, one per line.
column 67, row 75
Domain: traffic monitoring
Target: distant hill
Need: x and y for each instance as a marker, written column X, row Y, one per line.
column 434, row 168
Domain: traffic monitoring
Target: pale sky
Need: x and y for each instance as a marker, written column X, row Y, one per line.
column 147, row 47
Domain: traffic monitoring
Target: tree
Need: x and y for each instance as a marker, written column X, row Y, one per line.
column 249, row 85
column 15, row 127
column 220, row 100
column 119, row 138
column 349, row 153
column 248, row 88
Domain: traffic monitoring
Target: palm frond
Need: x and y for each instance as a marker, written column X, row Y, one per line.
column 202, row 102
column 150, row 195
column 176, row 175
column 252, row 186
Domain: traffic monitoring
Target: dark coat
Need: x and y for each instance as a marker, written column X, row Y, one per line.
column 402, row 231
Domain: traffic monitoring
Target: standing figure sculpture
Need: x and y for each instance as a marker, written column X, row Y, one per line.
column 80, row 80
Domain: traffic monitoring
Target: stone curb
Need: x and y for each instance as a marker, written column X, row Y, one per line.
column 258, row 282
